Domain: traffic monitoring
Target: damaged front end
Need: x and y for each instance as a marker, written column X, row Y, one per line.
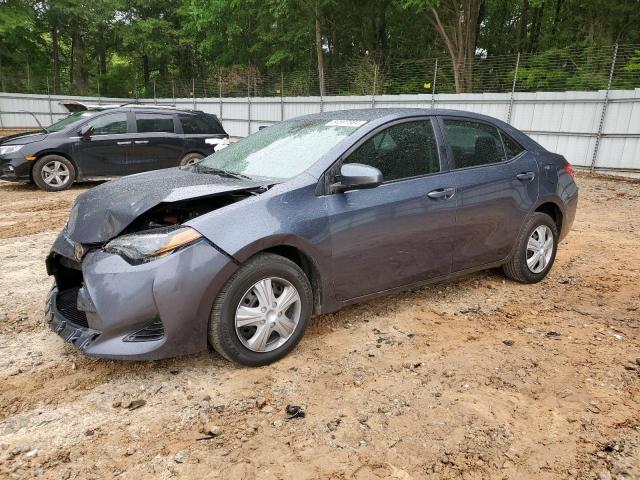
column 116, row 295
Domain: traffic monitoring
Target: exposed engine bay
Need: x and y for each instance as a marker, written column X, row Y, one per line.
column 176, row 213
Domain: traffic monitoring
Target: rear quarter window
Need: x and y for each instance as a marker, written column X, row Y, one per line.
column 511, row 147
column 200, row 124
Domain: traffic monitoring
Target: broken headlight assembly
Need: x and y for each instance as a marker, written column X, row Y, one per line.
column 152, row 244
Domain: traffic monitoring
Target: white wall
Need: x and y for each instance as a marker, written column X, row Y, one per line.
column 563, row 122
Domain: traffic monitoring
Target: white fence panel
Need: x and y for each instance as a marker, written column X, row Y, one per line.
column 564, row 122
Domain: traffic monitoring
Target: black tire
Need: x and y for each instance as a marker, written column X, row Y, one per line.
column 39, row 173
column 190, row 158
column 222, row 327
column 516, row 267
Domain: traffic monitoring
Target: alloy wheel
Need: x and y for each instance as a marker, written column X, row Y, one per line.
column 268, row 314
column 539, row 249
column 55, row 174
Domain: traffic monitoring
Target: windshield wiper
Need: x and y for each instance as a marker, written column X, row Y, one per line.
column 220, row 172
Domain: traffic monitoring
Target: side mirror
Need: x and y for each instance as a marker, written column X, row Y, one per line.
column 86, row 132
column 355, row 176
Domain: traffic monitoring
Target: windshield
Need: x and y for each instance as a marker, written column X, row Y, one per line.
column 66, row 121
column 283, row 150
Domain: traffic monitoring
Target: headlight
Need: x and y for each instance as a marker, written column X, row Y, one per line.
column 149, row 245
column 7, row 149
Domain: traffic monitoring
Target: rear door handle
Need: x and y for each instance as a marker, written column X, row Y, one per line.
column 524, row 176
column 124, row 143
column 441, row 193
column 141, row 142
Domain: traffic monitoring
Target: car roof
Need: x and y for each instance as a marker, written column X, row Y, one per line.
column 77, row 106
column 370, row 114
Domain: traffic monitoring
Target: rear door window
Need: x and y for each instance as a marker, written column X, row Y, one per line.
column 110, row 124
column 154, row 122
column 403, row 150
column 473, row 143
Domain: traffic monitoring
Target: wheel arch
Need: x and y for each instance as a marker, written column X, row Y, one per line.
column 299, row 253
column 190, row 151
column 39, row 155
column 554, row 211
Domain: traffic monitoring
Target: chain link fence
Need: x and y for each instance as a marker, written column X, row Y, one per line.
column 584, row 69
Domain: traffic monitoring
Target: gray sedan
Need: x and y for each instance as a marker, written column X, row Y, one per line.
column 240, row 250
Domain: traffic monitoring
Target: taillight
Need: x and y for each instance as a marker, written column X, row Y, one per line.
column 569, row 169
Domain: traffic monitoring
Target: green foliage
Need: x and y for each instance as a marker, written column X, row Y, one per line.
column 124, row 47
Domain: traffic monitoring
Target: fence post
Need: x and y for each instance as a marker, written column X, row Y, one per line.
column 605, row 103
column 220, row 96
column 375, row 79
column 433, row 85
column 154, row 92
column 173, row 92
column 281, row 95
column 248, row 102
column 49, row 99
column 193, row 92
column 513, row 88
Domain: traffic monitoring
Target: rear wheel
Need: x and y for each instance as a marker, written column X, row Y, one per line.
column 190, row 159
column 53, row 173
column 535, row 250
column 262, row 312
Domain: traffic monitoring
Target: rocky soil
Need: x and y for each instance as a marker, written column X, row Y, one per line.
column 477, row 378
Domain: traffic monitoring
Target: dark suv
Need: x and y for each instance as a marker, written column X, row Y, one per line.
column 109, row 142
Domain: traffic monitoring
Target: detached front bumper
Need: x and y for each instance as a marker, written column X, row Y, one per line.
column 109, row 308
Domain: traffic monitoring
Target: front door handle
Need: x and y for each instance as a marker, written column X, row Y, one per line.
column 124, row 143
column 441, row 193
column 141, row 142
column 524, row 176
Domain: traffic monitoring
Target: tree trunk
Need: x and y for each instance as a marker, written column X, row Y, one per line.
column 556, row 16
column 72, row 65
column 55, row 58
column 459, row 32
column 535, row 28
column 522, row 30
column 145, row 70
column 80, row 72
column 319, row 54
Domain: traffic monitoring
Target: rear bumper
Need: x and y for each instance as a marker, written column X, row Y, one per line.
column 136, row 312
column 570, row 208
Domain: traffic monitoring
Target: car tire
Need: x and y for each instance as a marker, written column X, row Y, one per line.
column 233, row 332
column 530, row 263
column 53, row 173
column 190, row 159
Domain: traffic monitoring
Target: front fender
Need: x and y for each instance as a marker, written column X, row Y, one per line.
column 289, row 214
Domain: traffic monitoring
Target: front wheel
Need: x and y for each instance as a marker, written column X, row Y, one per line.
column 262, row 312
column 53, row 173
column 535, row 250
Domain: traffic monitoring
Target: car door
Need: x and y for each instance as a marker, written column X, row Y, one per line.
column 106, row 152
column 494, row 191
column 155, row 142
column 401, row 231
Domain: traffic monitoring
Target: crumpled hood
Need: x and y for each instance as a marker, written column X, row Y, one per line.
column 101, row 213
column 22, row 138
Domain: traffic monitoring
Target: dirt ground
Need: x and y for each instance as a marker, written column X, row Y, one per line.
column 475, row 378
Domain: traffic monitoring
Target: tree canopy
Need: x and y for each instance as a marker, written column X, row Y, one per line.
column 238, row 47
